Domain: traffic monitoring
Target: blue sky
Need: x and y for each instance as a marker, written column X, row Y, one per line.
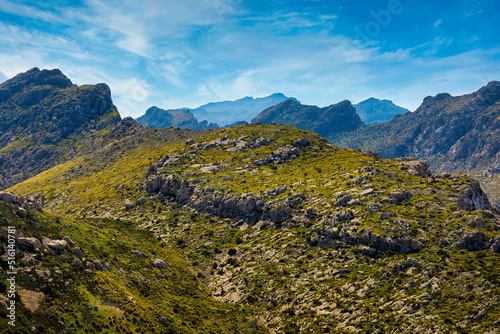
column 187, row 53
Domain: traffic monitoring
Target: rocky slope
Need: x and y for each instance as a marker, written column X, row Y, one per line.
column 101, row 276
column 325, row 121
column 181, row 118
column 229, row 112
column 374, row 110
column 42, row 117
column 314, row 237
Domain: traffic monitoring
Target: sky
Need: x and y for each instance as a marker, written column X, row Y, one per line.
column 174, row 54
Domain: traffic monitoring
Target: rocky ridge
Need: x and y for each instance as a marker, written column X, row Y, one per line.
column 325, row 121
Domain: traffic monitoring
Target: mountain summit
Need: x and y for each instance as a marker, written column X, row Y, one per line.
column 374, row 110
column 40, row 111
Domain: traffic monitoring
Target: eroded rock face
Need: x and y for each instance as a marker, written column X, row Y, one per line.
column 473, row 198
column 416, row 167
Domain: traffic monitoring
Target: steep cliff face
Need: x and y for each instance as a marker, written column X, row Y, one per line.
column 325, row 121
column 42, row 114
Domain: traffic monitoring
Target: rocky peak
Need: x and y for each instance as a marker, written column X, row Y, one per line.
column 34, row 77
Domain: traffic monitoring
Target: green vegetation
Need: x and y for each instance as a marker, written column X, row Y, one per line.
column 328, row 257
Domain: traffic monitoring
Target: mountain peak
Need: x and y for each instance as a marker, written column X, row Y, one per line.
column 374, row 110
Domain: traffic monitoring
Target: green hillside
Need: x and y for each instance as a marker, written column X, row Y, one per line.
column 274, row 220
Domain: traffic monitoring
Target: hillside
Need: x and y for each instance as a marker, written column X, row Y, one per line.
column 325, row 121
column 374, row 110
column 453, row 133
column 314, row 237
column 43, row 117
column 229, row 112
column 182, row 118
column 102, row 276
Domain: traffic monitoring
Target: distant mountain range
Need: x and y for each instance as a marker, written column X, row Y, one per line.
column 454, row 133
column 180, row 118
column 325, row 121
column 245, row 109
column 374, row 110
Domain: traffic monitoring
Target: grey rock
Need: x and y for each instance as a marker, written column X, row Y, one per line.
column 139, row 253
column 400, row 195
column 158, row 263
column 385, row 215
column 473, row 198
column 302, row 142
column 373, row 207
column 495, row 245
column 54, row 244
column 8, row 197
column 277, row 191
column 141, row 201
column 343, row 200
column 473, row 241
column 90, row 265
column 30, row 245
column 69, row 241
column 98, row 265
column 76, row 263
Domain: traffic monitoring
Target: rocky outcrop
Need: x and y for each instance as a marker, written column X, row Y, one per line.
column 416, row 167
column 472, row 241
column 23, row 204
column 473, row 198
column 330, row 236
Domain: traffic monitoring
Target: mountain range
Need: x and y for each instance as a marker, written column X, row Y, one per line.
column 255, row 228
column 228, row 112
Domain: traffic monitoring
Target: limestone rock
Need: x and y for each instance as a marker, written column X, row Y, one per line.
column 158, row 263
column 30, row 245
column 473, row 198
column 139, row 253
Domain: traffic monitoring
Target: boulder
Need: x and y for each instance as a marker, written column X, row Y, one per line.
column 98, row 265
column 30, row 245
column 139, row 253
column 8, row 197
column 129, row 205
column 158, row 263
column 90, row 265
column 69, row 241
column 76, row 262
column 495, row 245
column 54, row 244
column 400, row 195
column 141, row 201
